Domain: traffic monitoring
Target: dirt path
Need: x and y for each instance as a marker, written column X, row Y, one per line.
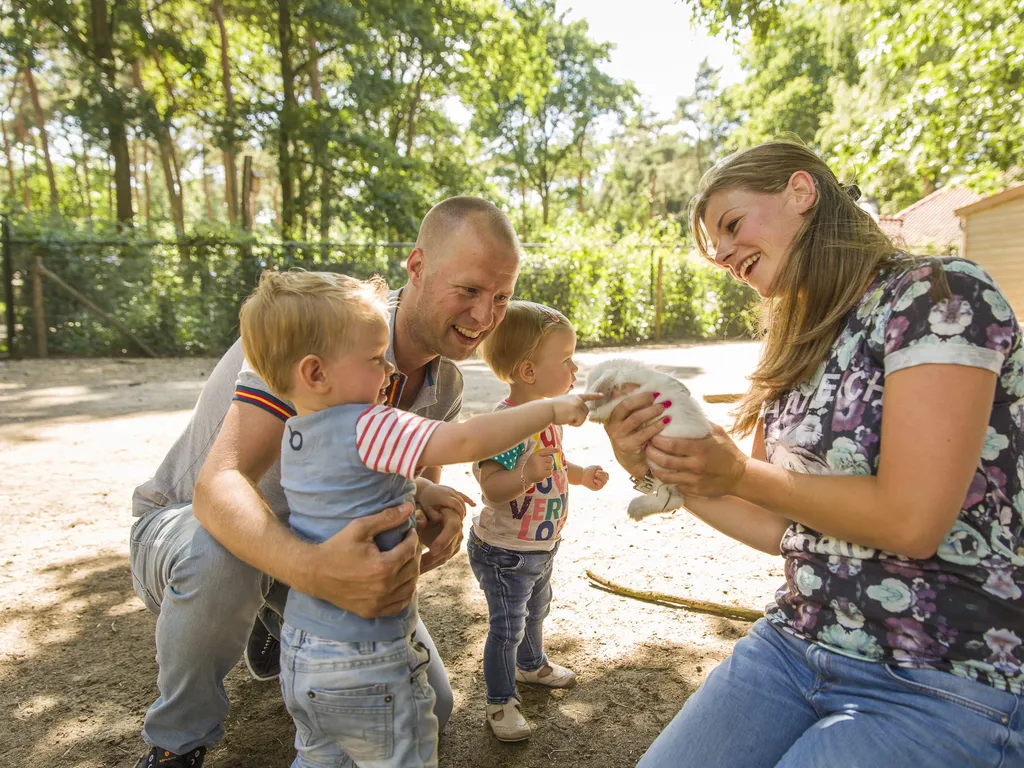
column 76, row 646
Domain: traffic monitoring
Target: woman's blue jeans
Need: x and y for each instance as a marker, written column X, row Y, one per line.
column 779, row 701
column 518, row 590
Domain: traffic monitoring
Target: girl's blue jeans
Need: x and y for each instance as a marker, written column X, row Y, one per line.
column 779, row 701
column 518, row 590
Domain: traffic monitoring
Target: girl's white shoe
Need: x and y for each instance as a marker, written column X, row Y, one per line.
column 507, row 721
column 550, row 675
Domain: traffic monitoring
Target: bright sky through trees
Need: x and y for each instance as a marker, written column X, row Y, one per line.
column 656, row 46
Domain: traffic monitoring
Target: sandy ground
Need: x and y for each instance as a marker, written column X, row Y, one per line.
column 77, row 667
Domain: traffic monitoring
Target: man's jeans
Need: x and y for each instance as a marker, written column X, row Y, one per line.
column 366, row 702
column 206, row 601
column 779, row 701
column 518, row 590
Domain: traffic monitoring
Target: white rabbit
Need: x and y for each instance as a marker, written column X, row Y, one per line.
column 617, row 379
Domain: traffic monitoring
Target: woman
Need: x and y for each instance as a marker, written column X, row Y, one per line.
column 896, row 639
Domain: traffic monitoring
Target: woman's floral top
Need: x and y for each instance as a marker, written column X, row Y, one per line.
column 962, row 610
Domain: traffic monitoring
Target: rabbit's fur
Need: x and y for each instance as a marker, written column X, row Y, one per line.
column 617, row 379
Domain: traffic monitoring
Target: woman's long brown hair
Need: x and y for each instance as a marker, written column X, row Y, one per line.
column 832, row 261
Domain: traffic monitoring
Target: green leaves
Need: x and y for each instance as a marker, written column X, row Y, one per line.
column 608, row 287
column 903, row 96
column 536, row 90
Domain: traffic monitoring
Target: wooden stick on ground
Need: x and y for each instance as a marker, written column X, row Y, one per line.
column 716, row 609
column 722, row 398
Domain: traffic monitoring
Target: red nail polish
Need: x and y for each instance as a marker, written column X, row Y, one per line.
column 666, row 420
column 667, row 403
column 656, row 395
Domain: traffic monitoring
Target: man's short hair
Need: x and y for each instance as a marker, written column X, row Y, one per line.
column 294, row 314
column 512, row 343
column 449, row 215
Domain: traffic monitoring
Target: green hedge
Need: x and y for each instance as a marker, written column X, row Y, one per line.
column 184, row 300
column 609, row 291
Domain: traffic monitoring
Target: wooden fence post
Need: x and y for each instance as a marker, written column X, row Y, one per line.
column 38, row 309
column 8, row 254
column 658, row 302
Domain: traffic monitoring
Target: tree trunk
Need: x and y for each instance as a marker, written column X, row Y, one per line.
column 314, row 72
column 326, row 180
column 231, row 186
column 37, row 110
column 654, row 195
column 88, row 185
column 167, row 144
column 133, row 145
column 522, row 197
column 10, row 162
column 110, row 187
column 26, row 190
column 22, row 137
column 79, row 187
column 544, row 189
column 103, row 53
column 145, row 180
column 246, row 198
column 168, row 160
column 206, row 187
column 287, row 117
column 7, row 144
column 579, row 176
column 276, row 207
column 172, row 148
column 325, row 222
column 320, row 158
column 169, row 182
column 302, row 207
column 394, row 127
column 410, row 128
column 230, row 170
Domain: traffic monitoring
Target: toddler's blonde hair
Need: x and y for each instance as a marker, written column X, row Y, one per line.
column 294, row 314
column 516, row 339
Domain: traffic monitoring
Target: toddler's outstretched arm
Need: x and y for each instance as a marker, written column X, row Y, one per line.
column 488, row 435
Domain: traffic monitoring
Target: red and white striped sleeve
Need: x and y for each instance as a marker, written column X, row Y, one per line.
column 390, row 440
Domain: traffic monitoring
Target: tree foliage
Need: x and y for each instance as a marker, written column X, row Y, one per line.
column 129, row 120
column 358, row 115
column 904, row 96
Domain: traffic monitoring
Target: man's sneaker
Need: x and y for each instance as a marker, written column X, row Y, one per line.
column 161, row 758
column 263, row 653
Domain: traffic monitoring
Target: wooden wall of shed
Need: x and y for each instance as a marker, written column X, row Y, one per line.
column 994, row 239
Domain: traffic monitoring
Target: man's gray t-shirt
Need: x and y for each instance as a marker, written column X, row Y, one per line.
column 439, row 398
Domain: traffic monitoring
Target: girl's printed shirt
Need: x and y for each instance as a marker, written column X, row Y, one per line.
column 534, row 521
column 962, row 610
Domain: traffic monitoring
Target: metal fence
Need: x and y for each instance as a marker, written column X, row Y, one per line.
column 110, row 297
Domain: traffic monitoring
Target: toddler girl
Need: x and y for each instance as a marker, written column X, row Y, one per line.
column 514, row 539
